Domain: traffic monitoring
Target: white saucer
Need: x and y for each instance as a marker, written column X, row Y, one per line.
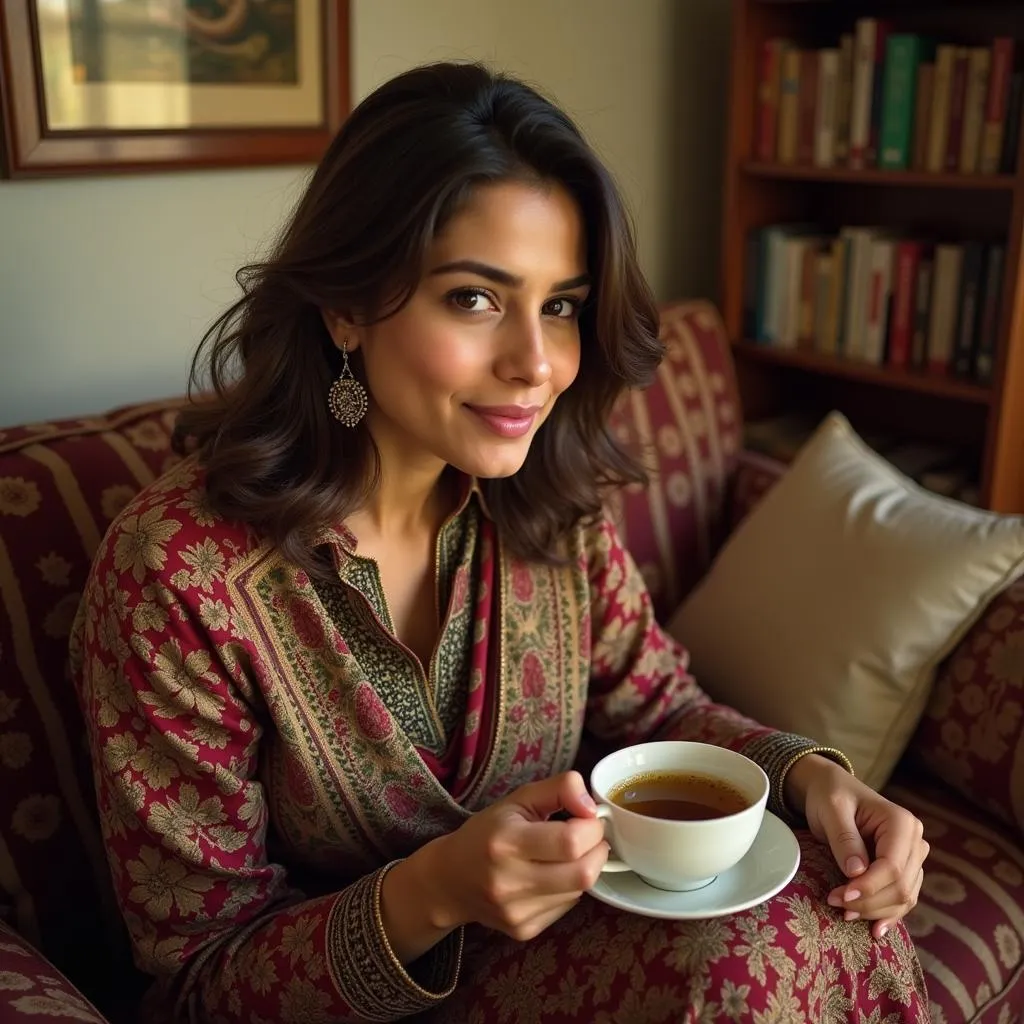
column 766, row 869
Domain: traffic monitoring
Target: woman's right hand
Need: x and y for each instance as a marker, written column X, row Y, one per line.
column 511, row 869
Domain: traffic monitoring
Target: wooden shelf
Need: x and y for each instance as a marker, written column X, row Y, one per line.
column 908, row 179
column 884, row 376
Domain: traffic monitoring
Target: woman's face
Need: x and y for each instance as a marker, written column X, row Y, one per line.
column 469, row 369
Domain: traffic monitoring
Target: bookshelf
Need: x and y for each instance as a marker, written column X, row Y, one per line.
column 896, row 395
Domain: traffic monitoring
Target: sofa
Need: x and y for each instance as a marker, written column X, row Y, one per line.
column 63, row 949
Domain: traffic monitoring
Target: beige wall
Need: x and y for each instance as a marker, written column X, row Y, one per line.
column 106, row 284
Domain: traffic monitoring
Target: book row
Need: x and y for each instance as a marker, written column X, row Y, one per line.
column 869, row 294
column 888, row 100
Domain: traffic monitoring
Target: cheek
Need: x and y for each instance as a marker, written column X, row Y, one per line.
column 432, row 361
column 565, row 366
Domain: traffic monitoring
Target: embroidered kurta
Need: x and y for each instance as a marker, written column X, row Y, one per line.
column 264, row 746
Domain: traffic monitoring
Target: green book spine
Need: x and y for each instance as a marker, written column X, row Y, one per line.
column 902, row 56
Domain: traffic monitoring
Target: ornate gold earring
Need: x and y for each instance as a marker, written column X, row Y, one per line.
column 347, row 397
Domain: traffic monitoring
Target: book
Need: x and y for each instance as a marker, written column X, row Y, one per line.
column 865, row 36
column 922, row 311
column 769, row 81
column 901, row 330
column 1011, row 138
column 996, row 105
column 957, row 100
column 969, row 303
column 789, row 107
column 825, row 111
column 978, row 69
column 988, row 328
column 922, row 114
column 903, row 55
column 844, row 93
column 938, row 126
column 943, row 315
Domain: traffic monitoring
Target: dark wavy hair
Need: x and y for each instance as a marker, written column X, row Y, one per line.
column 402, row 165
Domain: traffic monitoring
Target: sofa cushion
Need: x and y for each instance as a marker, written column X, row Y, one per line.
column 60, row 485
column 832, row 604
column 31, row 987
column 968, row 926
column 972, row 733
column 685, row 429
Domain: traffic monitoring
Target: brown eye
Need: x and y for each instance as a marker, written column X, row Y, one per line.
column 471, row 300
column 563, row 308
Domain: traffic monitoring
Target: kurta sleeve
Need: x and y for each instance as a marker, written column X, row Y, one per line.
column 174, row 729
column 640, row 686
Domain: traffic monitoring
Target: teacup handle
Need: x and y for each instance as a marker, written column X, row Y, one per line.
column 613, row 863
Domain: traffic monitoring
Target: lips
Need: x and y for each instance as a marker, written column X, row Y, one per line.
column 506, row 420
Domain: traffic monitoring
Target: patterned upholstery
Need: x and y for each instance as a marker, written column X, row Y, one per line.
column 685, row 429
column 31, row 987
column 972, row 735
column 968, row 926
column 61, row 483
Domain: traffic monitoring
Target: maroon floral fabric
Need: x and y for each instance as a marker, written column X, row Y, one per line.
column 32, row 989
column 791, row 959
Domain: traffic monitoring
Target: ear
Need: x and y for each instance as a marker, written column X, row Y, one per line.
column 341, row 330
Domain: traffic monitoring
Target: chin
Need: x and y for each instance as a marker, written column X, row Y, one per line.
column 493, row 467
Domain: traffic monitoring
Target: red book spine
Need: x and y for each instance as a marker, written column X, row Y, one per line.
column 768, row 101
column 957, row 99
column 901, row 332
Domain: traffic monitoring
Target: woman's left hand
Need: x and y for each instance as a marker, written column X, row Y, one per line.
column 878, row 845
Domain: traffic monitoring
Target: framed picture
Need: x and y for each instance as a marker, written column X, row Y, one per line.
column 91, row 86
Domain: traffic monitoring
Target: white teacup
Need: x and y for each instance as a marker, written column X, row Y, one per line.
column 671, row 854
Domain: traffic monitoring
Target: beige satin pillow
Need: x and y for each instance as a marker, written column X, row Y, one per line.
column 828, row 610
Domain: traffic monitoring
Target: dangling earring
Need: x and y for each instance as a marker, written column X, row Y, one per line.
column 347, row 397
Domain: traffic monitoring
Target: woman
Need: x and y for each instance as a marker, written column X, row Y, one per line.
column 338, row 664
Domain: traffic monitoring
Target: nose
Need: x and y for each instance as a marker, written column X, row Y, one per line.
column 524, row 353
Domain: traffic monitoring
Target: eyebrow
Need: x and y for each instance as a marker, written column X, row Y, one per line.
column 500, row 276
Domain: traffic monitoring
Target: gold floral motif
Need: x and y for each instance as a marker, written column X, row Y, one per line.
column 149, row 436
column 141, row 541
column 181, row 683
column 149, row 616
column 261, row 971
column 11, row 981
column 56, row 1003
column 1007, row 873
column 297, row 940
column 15, row 749
column 115, row 498
column 303, row 1001
column 213, row 615
column 162, row 883
column 1006, row 659
column 36, row 817
column 18, row 496
column 8, row 706
column 196, row 504
column 207, row 564
column 54, row 570
column 57, row 622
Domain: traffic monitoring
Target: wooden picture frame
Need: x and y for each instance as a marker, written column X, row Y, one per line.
column 33, row 147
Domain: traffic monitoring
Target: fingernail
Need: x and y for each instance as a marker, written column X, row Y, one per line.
column 851, row 895
column 882, row 931
column 834, row 900
column 588, row 801
column 851, row 915
column 854, row 866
